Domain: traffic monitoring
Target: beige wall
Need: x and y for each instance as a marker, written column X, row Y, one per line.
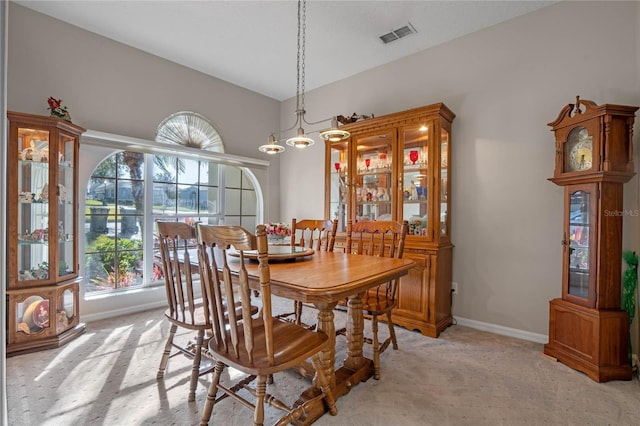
column 505, row 84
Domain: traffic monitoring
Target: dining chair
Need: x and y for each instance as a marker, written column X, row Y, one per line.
column 316, row 234
column 186, row 310
column 382, row 239
column 256, row 346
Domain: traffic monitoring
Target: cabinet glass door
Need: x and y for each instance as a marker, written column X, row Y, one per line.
column 374, row 188
column 415, row 178
column 577, row 246
column 444, row 182
column 33, row 205
column 338, row 183
column 65, row 223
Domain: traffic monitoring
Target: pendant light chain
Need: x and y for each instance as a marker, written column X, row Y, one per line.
column 304, row 44
column 301, row 57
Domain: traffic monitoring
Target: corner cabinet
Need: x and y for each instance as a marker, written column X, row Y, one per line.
column 396, row 167
column 42, row 273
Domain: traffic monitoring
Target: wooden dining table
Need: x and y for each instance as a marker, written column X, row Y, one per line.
column 324, row 279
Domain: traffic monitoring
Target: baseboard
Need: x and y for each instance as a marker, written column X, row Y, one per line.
column 478, row 325
column 124, row 311
column 505, row 331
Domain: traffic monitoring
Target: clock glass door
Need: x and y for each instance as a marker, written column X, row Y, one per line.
column 578, row 247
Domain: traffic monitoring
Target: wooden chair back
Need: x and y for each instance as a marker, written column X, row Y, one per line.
column 233, row 337
column 177, row 248
column 317, row 234
column 256, row 346
column 185, row 308
column 382, row 239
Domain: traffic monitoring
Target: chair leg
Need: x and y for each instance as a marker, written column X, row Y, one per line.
column 211, row 396
column 297, row 308
column 392, row 331
column 376, row 348
column 261, row 390
column 195, row 369
column 323, row 382
column 167, row 351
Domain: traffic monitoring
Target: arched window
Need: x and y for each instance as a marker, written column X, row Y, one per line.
column 128, row 191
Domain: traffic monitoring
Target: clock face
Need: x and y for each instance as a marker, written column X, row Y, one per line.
column 578, row 152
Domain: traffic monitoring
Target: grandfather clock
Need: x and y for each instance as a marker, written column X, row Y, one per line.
column 594, row 158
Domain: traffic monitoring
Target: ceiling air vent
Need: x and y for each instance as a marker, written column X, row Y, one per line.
column 398, row 34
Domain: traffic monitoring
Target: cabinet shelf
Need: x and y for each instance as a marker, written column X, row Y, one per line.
column 373, row 203
column 375, row 172
column 415, row 168
column 580, row 271
column 45, row 164
column 22, row 242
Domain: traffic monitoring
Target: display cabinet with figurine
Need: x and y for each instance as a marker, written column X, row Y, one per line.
column 396, row 167
column 42, row 273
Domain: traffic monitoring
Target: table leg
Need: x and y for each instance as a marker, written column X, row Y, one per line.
column 356, row 367
column 355, row 332
column 327, row 360
column 328, row 356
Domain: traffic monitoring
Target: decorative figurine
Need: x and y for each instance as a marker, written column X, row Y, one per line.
column 57, row 109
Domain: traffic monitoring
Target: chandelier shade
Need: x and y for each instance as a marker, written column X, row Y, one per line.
column 272, row 146
column 300, row 140
column 334, row 134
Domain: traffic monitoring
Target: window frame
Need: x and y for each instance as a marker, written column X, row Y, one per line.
column 117, row 143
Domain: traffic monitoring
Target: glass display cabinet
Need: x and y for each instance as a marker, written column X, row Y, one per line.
column 42, row 291
column 396, row 167
column 587, row 329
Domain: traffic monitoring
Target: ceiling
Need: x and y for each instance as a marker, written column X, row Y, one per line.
column 253, row 43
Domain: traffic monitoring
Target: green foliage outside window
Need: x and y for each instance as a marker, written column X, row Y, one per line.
column 120, row 267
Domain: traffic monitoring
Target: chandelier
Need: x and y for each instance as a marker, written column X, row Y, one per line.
column 302, row 140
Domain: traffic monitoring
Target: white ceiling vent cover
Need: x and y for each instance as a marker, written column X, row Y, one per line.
column 398, row 34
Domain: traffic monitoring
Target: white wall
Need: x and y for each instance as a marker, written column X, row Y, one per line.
column 505, row 84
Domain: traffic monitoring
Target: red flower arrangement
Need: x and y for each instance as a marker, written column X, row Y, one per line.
column 57, row 109
column 277, row 230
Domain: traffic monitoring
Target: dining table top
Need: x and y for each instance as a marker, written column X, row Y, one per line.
column 326, row 276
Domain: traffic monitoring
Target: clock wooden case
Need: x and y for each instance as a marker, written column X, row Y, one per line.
column 397, row 167
column 42, row 272
column 587, row 329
